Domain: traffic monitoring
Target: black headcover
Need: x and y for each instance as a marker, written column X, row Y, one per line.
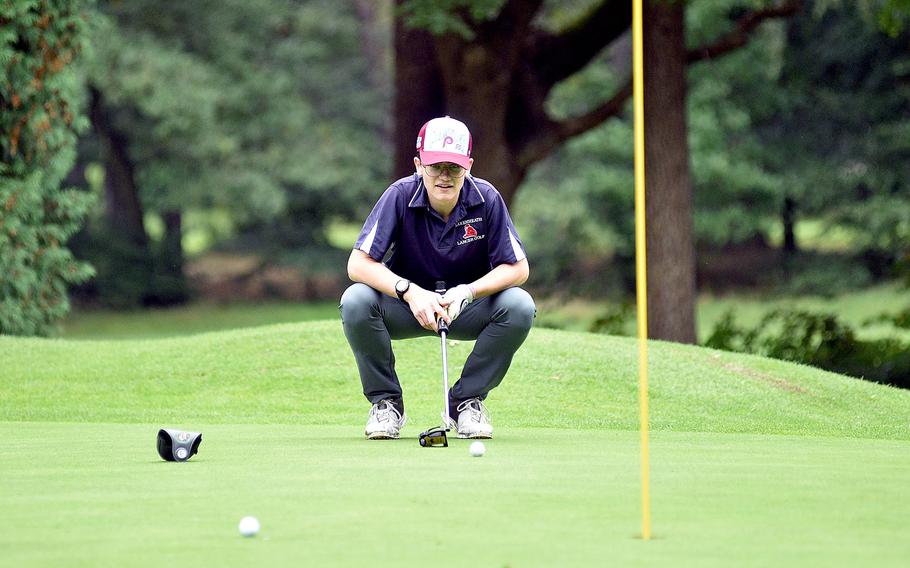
column 177, row 445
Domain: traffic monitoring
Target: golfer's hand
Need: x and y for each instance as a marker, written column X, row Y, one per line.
column 456, row 299
column 426, row 307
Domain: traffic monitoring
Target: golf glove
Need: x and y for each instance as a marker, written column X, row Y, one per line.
column 457, row 298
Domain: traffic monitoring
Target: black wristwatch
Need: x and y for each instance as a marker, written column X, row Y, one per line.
column 402, row 287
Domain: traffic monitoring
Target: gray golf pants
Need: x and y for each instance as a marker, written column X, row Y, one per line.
column 500, row 323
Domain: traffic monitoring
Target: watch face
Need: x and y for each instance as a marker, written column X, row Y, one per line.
column 402, row 286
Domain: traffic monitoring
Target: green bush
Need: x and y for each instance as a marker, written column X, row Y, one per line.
column 39, row 98
column 820, row 340
column 900, row 320
column 615, row 320
column 807, row 274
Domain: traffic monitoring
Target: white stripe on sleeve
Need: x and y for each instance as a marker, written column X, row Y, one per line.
column 368, row 242
column 516, row 248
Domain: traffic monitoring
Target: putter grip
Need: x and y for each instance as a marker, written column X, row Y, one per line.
column 441, row 323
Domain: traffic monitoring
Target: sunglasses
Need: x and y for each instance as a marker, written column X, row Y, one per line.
column 435, row 170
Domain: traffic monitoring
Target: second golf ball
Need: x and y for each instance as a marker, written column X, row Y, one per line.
column 249, row 526
column 477, row 449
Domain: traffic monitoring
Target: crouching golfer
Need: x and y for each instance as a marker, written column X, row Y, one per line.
column 439, row 224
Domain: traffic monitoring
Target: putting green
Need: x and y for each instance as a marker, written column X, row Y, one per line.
column 753, row 461
column 87, row 494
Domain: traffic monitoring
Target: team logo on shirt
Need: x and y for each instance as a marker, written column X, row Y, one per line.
column 470, row 233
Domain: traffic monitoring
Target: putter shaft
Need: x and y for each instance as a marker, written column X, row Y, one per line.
column 443, row 332
column 445, row 380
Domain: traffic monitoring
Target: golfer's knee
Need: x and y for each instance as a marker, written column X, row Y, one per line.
column 357, row 302
column 519, row 306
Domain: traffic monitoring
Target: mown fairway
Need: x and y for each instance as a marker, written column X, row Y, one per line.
column 754, row 461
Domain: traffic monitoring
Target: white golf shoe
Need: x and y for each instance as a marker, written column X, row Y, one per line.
column 474, row 420
column 385, row 421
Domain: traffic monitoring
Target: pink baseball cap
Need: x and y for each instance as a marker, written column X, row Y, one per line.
column 444, row 140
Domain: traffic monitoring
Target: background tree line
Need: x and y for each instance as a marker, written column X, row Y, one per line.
column 256, row 124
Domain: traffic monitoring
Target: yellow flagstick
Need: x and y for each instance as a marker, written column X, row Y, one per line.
column 641, row 270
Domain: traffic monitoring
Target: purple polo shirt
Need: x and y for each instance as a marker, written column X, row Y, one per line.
column 415, row 243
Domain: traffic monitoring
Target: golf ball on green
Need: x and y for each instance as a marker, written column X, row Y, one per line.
column 249, row 526
column 477, row 449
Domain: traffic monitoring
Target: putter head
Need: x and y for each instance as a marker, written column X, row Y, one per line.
column 434, row 437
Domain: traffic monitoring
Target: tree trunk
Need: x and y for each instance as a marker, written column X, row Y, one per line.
column 172, row 246
column 478, row 87
column 789, row 220
column 671, row 254
column 419, row 95
column 470, row 81
column 126, row 270
column 170, row 284
column 124, row 210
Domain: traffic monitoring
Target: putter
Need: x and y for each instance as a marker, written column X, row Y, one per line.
column 436, row 437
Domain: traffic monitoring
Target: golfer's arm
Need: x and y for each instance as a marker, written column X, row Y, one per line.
column 500, row 278
column 362, row 268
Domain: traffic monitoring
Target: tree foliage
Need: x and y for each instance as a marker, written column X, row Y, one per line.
column 813, row 111
column 736, row 197
column 239, row 118
column 255, row 107
column 837, row 129
column 891, row 16
column 40, row 113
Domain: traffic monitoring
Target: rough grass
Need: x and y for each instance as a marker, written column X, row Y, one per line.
column 305, row 374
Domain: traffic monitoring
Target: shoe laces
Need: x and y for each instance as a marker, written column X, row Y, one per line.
column 384, row 411
column 477, row 410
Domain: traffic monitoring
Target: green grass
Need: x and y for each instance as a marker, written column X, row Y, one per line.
column 187, row 320
column 817, row 235
column 538, row 498
column 754, row 461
